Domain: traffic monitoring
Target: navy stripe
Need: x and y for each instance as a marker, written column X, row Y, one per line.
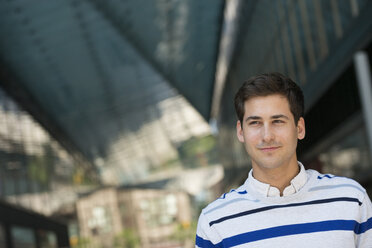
column 253, row 211
column 326, row 175
column 223, row 196
column 322, row 226
column 231, row 191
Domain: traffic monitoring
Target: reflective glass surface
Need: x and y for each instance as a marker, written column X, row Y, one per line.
column 23, row 237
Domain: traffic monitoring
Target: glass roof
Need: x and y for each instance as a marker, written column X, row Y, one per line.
column 107, row 75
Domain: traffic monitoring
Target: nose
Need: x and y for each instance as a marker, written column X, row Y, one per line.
column 267, row 134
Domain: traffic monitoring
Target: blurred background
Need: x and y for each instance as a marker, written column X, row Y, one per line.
column 117, row 123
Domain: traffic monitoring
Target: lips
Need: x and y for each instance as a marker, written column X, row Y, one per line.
column 269, row 149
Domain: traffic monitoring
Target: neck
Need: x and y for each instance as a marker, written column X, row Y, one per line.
column 277, row 177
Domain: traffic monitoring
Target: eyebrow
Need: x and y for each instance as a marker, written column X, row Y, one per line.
column 279, row 116
column 253, row 117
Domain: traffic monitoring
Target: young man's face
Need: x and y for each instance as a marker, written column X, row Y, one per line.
column 269, row 132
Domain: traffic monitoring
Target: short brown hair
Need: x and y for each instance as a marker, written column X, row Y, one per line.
column 269, row 84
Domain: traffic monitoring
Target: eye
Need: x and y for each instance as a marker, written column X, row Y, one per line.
column 253, row 123
column 278, row 121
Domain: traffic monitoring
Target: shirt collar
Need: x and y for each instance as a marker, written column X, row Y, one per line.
column 269, row 191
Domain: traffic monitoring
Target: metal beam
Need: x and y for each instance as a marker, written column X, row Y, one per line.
column 363, row 73
column 226, row 50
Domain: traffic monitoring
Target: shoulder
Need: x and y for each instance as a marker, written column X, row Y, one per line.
column 228, row 201
column 330, row 179
column 329, row 183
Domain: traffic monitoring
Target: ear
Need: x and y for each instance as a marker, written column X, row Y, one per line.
column 239, row 131
column 301, row 128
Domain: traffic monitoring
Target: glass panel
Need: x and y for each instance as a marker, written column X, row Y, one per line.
column 23, row 237
column 348, row 157
column 48, row 239
column 33, row 164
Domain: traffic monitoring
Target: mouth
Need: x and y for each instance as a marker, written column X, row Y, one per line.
column 269, row 149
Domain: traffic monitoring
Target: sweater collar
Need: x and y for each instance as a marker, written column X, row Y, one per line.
column 269, row 191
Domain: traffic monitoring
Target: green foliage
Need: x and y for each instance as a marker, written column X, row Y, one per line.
column 197, row 152
column 127, row 238
column 82, row 243
column 37, row 169
column 195, row 145
column 41, row 167
column 167, row 165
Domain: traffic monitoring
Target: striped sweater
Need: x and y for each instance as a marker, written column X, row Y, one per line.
column 317, row 210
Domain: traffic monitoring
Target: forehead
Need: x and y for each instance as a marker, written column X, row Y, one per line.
column 267, row 105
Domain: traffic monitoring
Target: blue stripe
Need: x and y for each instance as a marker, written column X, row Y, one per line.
column 326, row 175
column 233, row 190
column 363, row 227
column 274, row 232
column 253, row 211
column 223, row 196
column 322, row 226
column 203, row 243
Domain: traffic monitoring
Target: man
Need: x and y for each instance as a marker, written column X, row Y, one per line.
column 281, row 204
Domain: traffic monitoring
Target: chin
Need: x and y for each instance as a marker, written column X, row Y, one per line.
column 269, row 164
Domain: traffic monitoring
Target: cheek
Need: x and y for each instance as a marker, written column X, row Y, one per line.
column 251, row 137
column 294, row 137
column 287, row 135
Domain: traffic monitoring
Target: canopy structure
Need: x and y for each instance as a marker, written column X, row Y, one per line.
column 106, row 77
column 124, row 83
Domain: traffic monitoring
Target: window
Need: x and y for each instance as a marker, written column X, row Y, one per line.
column 99, row 221
column 159, row 211
column 23, row 237
column 48, row 239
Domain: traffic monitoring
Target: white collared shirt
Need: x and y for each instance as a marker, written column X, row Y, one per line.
column 269, row 191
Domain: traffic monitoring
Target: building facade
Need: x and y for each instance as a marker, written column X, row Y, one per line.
column 111, row 217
